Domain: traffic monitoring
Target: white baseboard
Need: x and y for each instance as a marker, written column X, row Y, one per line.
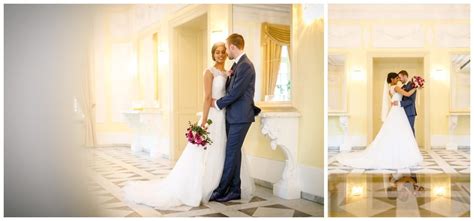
column 265, row 169
column 107, row 138
column 125, row 139
column 164, row 147
column 356, row 141
column 442, row 140
column 311, row 179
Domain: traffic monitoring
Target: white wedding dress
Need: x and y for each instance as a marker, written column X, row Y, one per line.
column 394, row 147
column 197, row 172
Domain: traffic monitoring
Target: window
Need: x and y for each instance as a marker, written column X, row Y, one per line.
column 282, row 90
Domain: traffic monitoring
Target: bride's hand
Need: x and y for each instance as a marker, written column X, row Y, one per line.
column 203, row 124
column 228, row 73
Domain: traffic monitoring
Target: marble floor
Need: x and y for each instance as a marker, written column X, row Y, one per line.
column 112, row 167
column 440, row 187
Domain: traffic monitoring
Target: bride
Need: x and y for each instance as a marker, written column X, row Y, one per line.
column 197, row 172
column 395, row 146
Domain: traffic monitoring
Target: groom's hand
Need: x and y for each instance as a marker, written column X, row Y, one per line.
column 213, row 103
column 395, row 103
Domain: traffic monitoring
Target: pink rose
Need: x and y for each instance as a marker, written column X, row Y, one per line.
column 190, row 134
column 198, row 139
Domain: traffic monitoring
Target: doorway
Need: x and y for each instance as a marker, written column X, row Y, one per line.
column 381, row 67
column 190, row 57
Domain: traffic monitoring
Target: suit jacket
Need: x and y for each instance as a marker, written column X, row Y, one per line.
column 408, row 103
column 240, row 90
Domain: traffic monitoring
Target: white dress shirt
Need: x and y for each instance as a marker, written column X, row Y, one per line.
column 236, row 60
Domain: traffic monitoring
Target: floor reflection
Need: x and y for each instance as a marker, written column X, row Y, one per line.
column 399, row 195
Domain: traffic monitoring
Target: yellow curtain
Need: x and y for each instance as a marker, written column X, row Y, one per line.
column 87, row 103
column 273, row 37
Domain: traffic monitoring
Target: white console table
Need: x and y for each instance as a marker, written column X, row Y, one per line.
column 452, row 124
column 344, row 124
column 282, row 130
column 145, row 129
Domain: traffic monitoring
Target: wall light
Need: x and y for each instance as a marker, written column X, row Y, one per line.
column 311, row 12
column 357, row 75
column 439, row 75
column 439, row 191
column 217, row 36
column 357, row 190
column 163, row 56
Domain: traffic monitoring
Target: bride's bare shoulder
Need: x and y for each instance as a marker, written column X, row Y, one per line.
column 208, row 73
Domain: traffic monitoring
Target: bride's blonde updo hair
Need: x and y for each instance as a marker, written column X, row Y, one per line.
column 214, row 48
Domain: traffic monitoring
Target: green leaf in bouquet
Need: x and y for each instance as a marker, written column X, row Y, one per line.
column 209, row 121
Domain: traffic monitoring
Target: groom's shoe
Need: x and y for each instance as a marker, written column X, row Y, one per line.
column 214, row 196
column 230, row 196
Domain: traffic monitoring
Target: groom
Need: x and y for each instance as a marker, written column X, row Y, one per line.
column 240, row 89
column 408, row 103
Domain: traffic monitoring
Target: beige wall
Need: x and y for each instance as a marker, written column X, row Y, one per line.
column 308, row 80
column 309, row 88
column 357, row 58
column 308, row 94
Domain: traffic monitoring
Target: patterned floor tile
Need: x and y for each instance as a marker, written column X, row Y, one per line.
column 113, row 167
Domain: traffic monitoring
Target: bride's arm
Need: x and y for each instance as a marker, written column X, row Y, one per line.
column 207, row 96
column 403, row 92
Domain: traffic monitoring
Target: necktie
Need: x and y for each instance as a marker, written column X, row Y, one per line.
column 227, row 83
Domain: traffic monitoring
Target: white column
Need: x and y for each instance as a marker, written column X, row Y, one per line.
column 150, row 121
column 133, row 120
column 346, row 143
column 452, row 124
column 145, row 131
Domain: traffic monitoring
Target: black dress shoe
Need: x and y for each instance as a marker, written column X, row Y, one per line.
column 214, row 196
column 229, row 197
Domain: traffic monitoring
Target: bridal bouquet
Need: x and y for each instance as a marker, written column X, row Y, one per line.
column 198, row 135
column 418, row 82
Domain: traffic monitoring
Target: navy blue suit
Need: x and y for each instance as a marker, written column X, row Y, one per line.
column 408, row 103
column 238, row 101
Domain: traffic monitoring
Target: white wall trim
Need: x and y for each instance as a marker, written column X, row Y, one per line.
column 356, row 140
column 106, row 138
column 125, row 139
column 397, row 11
column 442, row 140
column 311, row 179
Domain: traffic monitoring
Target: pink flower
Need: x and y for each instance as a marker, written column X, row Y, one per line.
column 195, row 135
column 418, row 81
column 190, row 134
column 198, row 139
